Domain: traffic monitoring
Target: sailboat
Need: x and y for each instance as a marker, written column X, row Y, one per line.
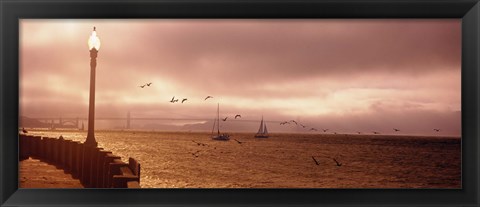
column 218, row 136
column 262, row 131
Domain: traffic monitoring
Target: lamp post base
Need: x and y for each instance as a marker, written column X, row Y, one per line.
column 90, row 141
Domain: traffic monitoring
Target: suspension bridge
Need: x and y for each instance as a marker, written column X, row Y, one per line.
column 75, row 122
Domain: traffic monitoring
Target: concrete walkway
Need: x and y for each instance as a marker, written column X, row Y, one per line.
column 34, row 173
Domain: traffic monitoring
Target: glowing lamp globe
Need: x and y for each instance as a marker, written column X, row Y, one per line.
column 94, row 41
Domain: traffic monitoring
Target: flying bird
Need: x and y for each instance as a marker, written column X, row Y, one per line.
column 437, row 130
column 316, row 162
column 303, row 125
column 195, row 153
column 176, row 100
column 325, row 130
column 338, row 164
column 313, row 129
column 238, row 141
column 148, row 84
column 396, row 129
column 225, row 119
column 208, row 97
column 294, row 122
column 183, row 100
column 282, row 123
column 238, row 115
column 142, row 86
column 375, row 132
column 173, row 99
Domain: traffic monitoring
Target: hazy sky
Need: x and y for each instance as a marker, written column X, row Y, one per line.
column 353, row 75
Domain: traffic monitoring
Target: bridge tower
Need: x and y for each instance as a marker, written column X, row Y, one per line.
column 128, row 120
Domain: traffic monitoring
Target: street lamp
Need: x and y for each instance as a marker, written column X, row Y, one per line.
column 93, row 46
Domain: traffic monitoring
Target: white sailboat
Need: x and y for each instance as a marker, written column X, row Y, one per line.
column 262, row 131
column 218, row 136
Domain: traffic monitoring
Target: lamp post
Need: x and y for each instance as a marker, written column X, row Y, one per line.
column 93, row 46
column 90, row 145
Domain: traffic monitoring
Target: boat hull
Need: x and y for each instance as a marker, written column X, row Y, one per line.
column 221, row 137
column 261, row 136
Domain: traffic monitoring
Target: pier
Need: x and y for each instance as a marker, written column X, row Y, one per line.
column 94, row 167
column 34, row 173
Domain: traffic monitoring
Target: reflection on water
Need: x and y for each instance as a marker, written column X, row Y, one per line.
column 177, row 160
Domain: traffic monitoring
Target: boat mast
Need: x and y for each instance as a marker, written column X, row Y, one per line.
column 218, row 118
column 213, row 128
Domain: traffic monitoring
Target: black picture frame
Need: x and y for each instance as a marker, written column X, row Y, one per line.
column 13, row 10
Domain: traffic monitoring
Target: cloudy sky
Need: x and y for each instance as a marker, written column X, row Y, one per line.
column 352, row 75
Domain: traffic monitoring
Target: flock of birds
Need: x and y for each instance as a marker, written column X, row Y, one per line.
column 315, row 158
column 185, row 99
column 334, row 132
column 146, row 84
column 333, row 158
column 173, row 100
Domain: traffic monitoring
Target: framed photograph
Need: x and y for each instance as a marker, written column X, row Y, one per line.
column 345, row 103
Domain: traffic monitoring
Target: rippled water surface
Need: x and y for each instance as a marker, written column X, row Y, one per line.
column 176, row 160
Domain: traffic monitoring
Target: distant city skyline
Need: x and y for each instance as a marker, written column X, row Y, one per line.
column 350, row 75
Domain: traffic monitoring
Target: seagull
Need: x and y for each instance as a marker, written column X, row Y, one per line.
column 208, row 97
column 195, row 153
column 313, row 129
column 282, row 123
column 24, row 131
column 238, row 141
column 176, row 100
column 338, row 164
column 375, row 132
column 316, row 162
column 303, row 125
column 294, row 122
column 173, row 99
column 325, row 130
column 148, row 84
column 183, row 100
column 396, row 129
column 238, row 115
column 437, row 130
column 225, row 119
column 142, row 86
